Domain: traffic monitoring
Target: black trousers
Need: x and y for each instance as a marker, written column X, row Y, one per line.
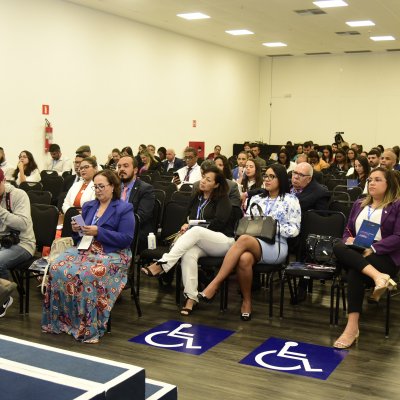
column 354, row 262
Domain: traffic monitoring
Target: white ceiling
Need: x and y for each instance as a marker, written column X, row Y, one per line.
column 270, row 20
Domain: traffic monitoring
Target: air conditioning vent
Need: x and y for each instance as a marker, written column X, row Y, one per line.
column 279, row 55
column 310, row 11
column 317, row 54
column 348, row 33
column 357, row 51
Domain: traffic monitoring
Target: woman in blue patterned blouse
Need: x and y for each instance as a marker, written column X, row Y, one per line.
column 278, row 203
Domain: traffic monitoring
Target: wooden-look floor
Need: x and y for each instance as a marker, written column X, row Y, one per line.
column 370, row 371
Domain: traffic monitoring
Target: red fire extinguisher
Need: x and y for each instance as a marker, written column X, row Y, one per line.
column 48, row 135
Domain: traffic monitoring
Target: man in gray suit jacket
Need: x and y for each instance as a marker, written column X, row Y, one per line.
column 140, row 194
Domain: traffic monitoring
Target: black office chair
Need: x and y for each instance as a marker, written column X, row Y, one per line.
column 54, row 184
column 182, row 197
column 39, row 196
column 45, row 220
column 48, row 172
column 167, row 187
column 329, row 223
column 67, row 229
column 26, row 186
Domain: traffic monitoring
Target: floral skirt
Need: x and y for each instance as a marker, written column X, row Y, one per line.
column 82, row 289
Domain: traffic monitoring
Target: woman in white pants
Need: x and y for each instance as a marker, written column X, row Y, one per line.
column 210, row 203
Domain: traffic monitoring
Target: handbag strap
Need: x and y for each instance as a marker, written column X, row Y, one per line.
column 259, row 209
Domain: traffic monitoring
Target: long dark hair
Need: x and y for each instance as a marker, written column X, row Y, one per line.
column 28, row 168
column 282, row 176
column 112, row 179
column 227, row 168
column 366, row 167
column 287, row 163
column 330, row 159
column 222, row 189
column 258, row 177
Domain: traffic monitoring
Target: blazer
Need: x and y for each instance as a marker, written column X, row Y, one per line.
column 390, row 230
column 142, row 198
column 178, row 163
column 115, row 227
column 313, row 197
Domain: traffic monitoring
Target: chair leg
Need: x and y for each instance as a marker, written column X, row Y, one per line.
column 283, row 278
column 178, row 284
column 109, row 324
column 27, row 290
column 20, row 287
column 332, row 302
column 387, row 321
column 271, row 293
column 137, row 302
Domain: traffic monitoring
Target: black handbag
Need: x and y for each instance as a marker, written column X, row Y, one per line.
column 260, row 227
column 319, row 248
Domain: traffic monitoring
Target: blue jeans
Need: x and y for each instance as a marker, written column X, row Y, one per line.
column 12, row 257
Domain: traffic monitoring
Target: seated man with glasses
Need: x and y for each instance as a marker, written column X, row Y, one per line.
column 192, row 172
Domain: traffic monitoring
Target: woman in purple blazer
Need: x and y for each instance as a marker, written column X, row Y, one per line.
column 381, row 261
column 85, row 281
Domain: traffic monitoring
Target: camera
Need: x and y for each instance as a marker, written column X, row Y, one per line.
column 339, row 138
column 10, row 240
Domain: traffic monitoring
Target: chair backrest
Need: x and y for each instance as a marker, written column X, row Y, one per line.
column 181, row 197
column 48, row 172
column 39, row 196
column 160, row 196
column 67, row 230
column 66, row 173
column 186, row 187
column 157, row 215
column 60, row 200
column 174, row 217
column 332, row 183
column 168, row 188
column 30, row 186
column 45, row 220
column 54, row 184
column 145, row 178
column 341, row 206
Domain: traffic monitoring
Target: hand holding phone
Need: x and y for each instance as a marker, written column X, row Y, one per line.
column 78, row 219
column 176, row 178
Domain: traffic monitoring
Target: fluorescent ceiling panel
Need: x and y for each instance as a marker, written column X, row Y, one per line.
column 330, row 3
column 275, row 44
column 381, row 38
column 238, row 32
column 195, row 15
column 360, row 23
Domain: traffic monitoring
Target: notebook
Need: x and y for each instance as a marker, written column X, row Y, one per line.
column 365, row 236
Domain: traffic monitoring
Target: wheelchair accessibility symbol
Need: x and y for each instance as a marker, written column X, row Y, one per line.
column 309, row 360
column 183, row 337
column 285, row 353
column 176, row 333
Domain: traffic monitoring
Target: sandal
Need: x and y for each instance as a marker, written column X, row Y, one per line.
column 147, row 271
column 345, row 341
column 383, row 283
column 185, row 311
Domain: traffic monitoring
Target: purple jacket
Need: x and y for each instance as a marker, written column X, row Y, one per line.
column 390, row 230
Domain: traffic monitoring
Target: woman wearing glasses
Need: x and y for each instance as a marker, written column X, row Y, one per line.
column 278, row 203
column 82, row 191
column 376, row 264
column 85, row 281
column 27, row 169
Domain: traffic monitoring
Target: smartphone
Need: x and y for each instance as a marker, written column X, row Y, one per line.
column 78, row 219
column 176, row 178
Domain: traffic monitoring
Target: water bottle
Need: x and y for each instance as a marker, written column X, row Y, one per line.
column 151, row 241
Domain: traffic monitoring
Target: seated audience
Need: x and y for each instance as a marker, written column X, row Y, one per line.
column 140, row 194
column 351, row 156
column 162, row 154
column 85, row 281
column 256, row 150
column 284, row 159
column 171, row 162
column 83, row 190
column 15, row 220
column 248, row 251
column 191, row 173
column 361, row 171
column 238, row 171
column 75, row 176
column 316, row 162
column 5, row 166
column 388, row 159
column 341, row 164
column 299, row 150
column 27, row 169
column 58, row 162
column 217, row 152
column 113, row 159
column 327, row 155
column 149, row 162
column 374, row 157
column 210, row 203
column 381, row 261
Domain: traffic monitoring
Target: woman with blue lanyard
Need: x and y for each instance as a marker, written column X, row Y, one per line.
column 210, row 203
column 247, row 251
column 377, row 263
column 85, row 281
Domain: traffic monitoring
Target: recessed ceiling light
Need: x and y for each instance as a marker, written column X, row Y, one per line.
column 275, row 44
column 381, row 38
column 330, row 3
column 195, row 15
column 238, row 32
column 360, row 23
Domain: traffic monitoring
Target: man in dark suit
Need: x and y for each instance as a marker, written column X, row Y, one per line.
column 171, row 162
column 140, row 194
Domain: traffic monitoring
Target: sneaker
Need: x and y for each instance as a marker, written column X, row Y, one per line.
column 5, row 305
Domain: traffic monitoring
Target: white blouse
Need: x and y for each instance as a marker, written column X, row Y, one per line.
column 87, row 195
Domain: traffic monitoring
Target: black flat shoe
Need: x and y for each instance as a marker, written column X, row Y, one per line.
column 203, row 298
column 245, row 316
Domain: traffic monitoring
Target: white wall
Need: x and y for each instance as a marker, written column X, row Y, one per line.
column 111, row 82
column 313, row 97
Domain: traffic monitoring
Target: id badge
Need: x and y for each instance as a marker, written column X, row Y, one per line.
column 85, row 242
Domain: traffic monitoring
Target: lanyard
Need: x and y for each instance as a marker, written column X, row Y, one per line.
column 200, row 208
column 370, row 212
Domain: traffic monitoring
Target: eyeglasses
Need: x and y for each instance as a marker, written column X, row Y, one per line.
column 299, row 174
column 269, row 177
column 84, row 167
column 100, row 188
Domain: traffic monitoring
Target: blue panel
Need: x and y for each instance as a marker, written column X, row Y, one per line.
column 58, row 362
column 16, row 386
column 296, row 358
column 183, row 337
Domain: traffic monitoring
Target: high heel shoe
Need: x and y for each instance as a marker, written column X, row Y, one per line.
column 185, row 311
column 203, row 298
column 245, row 316
column 383, row 283
column 345, row 341
column 147, row 271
